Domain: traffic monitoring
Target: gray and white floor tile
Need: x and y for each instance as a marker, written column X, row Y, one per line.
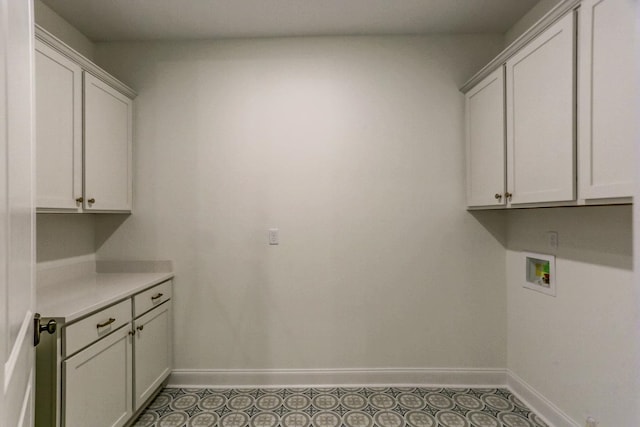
column 338, row 407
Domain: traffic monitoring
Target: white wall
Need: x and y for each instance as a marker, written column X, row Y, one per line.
column 577, row 349
column 59, row 27
column 353, row 147
column 61, row 236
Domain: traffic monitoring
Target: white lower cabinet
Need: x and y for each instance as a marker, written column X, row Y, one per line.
column 98, row 383
column 152, row 352
column 101, row 370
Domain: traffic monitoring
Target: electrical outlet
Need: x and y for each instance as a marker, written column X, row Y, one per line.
column 552, row 239
column 591, row 422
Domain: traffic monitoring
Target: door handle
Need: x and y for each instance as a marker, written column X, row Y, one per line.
column 39, row 328
column 105, row 323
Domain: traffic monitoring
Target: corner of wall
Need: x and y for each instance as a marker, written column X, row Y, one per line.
column 59, row 27
column 579, row 339
column 64, row 236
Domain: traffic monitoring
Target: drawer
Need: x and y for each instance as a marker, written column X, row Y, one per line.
column 92, row 328
column 145, row 301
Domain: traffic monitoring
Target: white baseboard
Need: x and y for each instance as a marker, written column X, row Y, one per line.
column 450, row 377
column 539, row 404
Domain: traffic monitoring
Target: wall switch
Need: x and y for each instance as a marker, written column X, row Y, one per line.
column 591, row 422
column 552, row 239
column 274, row 236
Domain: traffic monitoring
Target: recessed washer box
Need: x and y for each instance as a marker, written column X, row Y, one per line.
column 540, row 272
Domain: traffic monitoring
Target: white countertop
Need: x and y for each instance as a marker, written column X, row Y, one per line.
column 70, row 297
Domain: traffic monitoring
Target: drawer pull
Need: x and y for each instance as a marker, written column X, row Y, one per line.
column 156, row 296
column 141, row 327
column 107, row 323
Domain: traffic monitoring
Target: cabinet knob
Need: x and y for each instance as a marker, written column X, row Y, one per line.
column 141, row 327
column 498, row 196
column 508, row 195
column 91, row 201
column 80, row 200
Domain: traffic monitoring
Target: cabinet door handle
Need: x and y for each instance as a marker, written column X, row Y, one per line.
column 107, row 323
column 498, row 196
column 156, row 296
column 507, row 196
column 91, row 200
column 141, row 327
column 80, row 199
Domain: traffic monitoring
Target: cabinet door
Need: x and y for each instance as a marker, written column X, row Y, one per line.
column 98, row 383
column 484, row 113
column 108, row 118
column 58, row 130
column 153, row 351
column 606, row 108
column 540, row 117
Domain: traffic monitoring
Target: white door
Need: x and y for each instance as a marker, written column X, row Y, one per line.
column 152, row 352
column 606, row 98
column 58, row 131
column 97, row 383
column 108, row 134
column 540, row 117
column 17, row 299
column 484, row 113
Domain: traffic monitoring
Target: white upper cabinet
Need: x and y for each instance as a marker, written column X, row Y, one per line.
column 485, row 140
column 570, row 106
column 108, row 138
column 58, row 130
column 540, row 117
column 84, row 124
column 606, row 99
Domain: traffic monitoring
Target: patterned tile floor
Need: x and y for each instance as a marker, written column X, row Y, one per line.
column 338, row 407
